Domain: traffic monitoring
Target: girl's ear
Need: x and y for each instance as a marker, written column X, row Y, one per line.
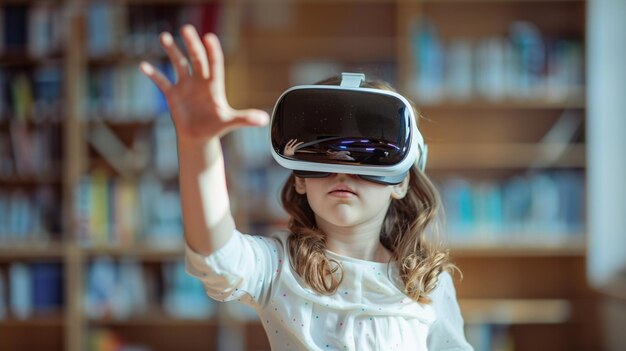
column 300, row 185
column 399, row 190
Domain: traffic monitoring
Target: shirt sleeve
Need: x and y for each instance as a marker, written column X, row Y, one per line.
column 240, row 270
column 447, row 332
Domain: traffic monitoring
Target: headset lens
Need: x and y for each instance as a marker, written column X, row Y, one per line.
column 333, row 126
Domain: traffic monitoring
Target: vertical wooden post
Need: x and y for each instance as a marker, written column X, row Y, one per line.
column 74, row 156
column 406, row 15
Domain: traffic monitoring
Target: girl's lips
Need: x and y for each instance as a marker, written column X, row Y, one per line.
column 342, row 194
column 342, row 191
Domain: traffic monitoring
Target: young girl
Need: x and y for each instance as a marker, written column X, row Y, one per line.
column 353, row 273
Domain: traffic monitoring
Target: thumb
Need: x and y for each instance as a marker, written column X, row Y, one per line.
column 249, row 118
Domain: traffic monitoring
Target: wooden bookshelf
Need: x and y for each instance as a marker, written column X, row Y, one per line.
column 534, row 279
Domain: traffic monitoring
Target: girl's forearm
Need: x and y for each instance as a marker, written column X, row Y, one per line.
column 206, row 208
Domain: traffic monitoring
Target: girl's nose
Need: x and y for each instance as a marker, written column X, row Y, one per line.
column 343, row 175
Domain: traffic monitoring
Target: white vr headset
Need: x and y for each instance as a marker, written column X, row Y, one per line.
column 317, row 130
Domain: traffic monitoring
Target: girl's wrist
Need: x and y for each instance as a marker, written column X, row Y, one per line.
column 195, row 143
column 201, row 152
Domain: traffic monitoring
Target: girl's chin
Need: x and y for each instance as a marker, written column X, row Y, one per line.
column 339, row 219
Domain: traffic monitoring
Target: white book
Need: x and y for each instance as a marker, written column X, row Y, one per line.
column 130, row 296
column 100, row 287
column 143, row 104
column 491, row 68
column 20, row 215
column 165, row 155
column 40, row 22
column 184, row 296
column 100, row 29
column 252, row 146
column 545, row 205
column 21, row 290
column 459, row 70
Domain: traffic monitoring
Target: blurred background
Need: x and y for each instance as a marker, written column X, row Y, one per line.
column 523, row 109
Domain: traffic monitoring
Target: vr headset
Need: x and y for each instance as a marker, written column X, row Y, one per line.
column 317, row 130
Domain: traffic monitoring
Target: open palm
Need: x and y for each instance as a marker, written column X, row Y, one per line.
column 197, row 100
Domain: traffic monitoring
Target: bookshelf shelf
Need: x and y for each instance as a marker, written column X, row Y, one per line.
column 155, row 320
column 577, row 102
column 515, row 311
column 30, row 180
column 502, row 156
column 429, row 2
column 561, row 248
column 277, row 50
column 52, row 320
column 31, row 251
column 23, row 60
column 143, row 252
column 123, row 58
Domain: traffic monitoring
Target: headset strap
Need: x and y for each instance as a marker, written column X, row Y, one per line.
column 352, row 80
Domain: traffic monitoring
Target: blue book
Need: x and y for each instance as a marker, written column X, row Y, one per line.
column 3, row 306
column 47, row 286
column 15, row 28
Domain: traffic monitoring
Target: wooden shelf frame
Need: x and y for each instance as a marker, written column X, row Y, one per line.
column 392, row 49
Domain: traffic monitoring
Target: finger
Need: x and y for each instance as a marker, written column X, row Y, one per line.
column 298, row 144
column 289, row 143
column 156, row 76
column 195, row 49
column 249, row 118
column 215, row 56
column 180, row 63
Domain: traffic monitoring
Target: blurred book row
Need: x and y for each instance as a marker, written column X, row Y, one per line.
column 549, row 203
column 37, row 30
column 114, row 211
column 122, row 93
column 114, row 28
column 32, row 217
column 124, row 289
column 31, row 289
column 115, row 290
column 30, row 152
column 31, row 94
column 525, row 64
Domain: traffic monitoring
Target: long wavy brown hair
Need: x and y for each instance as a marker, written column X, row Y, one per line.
column 403, row 233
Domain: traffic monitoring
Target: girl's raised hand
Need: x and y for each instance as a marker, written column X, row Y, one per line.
column 197, row 100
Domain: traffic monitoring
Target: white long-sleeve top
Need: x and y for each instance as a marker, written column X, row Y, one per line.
column 369, row 311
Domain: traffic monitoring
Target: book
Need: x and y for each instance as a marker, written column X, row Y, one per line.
column 21, row 290
column 529, row 50
column 429, row 62
column 126, row 210
column 15, row 28
column 48, row 93
column 3, row 84
column 165, row 148
column 99, row 208
column 459, row 68
column 22, row 99
column 100, row 286
column 491, row 67
column 44, row 29
column 102, row 35
column 48, row 292
column 3, row 294
column 183, row 295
